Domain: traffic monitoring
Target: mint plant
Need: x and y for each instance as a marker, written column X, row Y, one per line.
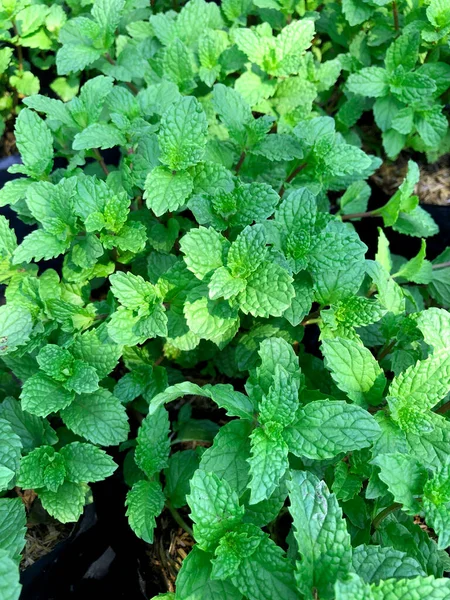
column 30, row 33
column 211, row 317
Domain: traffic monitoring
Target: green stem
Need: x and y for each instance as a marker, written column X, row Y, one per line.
column 130, row 85
column 361, row 215
column 441, row 265
column 385, row 350
column 292, row 175
column 384, row 513
column 179, row 519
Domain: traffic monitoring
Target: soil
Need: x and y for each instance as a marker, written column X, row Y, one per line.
column 8, row 141
column 433, row 186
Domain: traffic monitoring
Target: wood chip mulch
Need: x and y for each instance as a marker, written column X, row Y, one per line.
column 434, row 184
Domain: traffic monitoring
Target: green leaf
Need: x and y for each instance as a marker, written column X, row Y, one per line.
column 99, row 417
column 42, row 395
column 438, row 14
column 325, row 428
column 281, row 402
column 16, row 325
column 227, row 457
column 405, row 478
column 268, row 292
column 268, row 461
column 99, row 135
column 224, row 285
column 408, row 537
column 78, row 49
column 42, row 468
column 182, row 135
column 181, row 468
column 421, row 587
column 67, row 503
column 233, row 111
column 419, row 388
column 214, row 508
column 204, row 250
column 247, row 252
column 266, row 573
column 132, row 290
column 354, row 370
column 167, row 191
column 194, row 580
column 291, row 44
column 417, row 269
column 369, row 81
column 85, row 463
column 153, row 445
column 39, row 245
column 12, row 526
column 374, row 563
column 95, row 348
column 321, row 535
column 436, row 503
column 10, row 586
column 144, row 503
column 434, row 323
column 10, row 450
column 404, row 52
column 35, row 143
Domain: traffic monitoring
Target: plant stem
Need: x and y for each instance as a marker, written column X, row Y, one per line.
column 443, row 409
column 395, row 14
column 441, row 265
column 101, row 162
column 179, row 519
column 292, row 175
column 130, row 85
column 311, row 318
column 385, row 350
column 360, row 215
column 384, row 513
column 19, row 48
column 240, row 162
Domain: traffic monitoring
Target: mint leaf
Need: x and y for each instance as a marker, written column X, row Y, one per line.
column 374, row 563
column 182, row 136
column 10, row 450
column 325, row 428
column 268, row 461
column 153, row 445
column 16, row 325
column 67, row 503
column 214, row 508
column 405, row 478
column 166, row 191
column 321, row 535
column 144, row 502
column 86, row 463
column 194, row 580
column 98, row 417
column 35, row 143
column 354, row 370
column 42, row 395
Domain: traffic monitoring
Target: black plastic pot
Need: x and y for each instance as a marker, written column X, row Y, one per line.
column 101, row 558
